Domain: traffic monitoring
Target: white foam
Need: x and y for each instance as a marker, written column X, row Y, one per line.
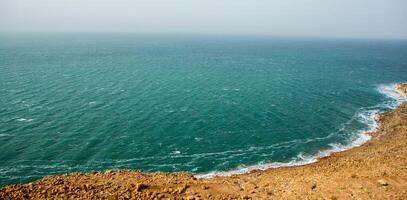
column 176, row 152
column 389, row 91
column 299, row 160
column 24, row 120
column 365, row 116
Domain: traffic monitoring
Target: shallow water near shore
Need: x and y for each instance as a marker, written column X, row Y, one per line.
column 205, row 104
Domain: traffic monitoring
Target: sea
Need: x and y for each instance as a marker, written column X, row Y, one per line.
column 212, row 105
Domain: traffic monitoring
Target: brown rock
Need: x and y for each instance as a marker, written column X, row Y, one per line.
column 182, row 189
column 382, row 182
column 140, row 186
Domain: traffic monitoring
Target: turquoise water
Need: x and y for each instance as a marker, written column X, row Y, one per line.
column 204, row 104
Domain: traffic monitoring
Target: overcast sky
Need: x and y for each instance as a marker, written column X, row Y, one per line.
column 317, row 18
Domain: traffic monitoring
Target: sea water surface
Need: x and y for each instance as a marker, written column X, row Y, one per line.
column 205, row 104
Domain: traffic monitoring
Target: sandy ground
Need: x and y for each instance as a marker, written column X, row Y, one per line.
column 376, row 170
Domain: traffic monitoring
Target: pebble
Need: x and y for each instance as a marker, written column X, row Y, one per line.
column 140, row 187
column 382, row 182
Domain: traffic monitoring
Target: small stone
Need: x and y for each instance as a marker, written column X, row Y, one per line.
column 245, row 197
column 204, row 187
column 58, row 181
column 182, row 189
column 154, row 194
column 382, row 182
column 190, row 198
column 140, row 187
column 314, row 186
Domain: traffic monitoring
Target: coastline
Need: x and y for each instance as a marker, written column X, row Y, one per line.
column 375, row 170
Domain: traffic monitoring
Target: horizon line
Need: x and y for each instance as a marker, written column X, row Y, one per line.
column 212, row 34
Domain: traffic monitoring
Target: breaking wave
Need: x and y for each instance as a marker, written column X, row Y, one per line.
column 366, row 116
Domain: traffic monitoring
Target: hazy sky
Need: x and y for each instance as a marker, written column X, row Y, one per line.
column 326, row 18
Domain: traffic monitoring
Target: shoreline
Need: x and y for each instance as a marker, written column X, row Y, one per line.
column 374, row 169
column 363, row 137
